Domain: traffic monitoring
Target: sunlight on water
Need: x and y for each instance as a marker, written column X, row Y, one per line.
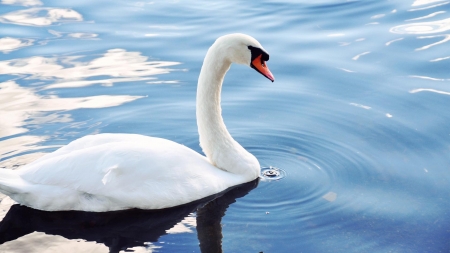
column 185, row 226
column 435, row 4
column 423, row 28
column 425, row 2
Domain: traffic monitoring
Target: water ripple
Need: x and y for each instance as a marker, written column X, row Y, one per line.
column 320, row 174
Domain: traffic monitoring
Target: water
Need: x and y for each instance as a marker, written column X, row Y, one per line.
column 358, row 119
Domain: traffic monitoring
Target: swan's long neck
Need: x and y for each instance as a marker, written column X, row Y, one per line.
column 217, row 144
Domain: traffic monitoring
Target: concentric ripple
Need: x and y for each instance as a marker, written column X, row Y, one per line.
column 322, row 176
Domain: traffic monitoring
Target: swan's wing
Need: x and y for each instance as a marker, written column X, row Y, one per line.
column 155, row 173
column 85, row 165
column 89, row 141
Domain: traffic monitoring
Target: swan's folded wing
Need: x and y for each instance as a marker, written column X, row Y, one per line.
column 87, row 166
column 129, row 173
column 90, row 141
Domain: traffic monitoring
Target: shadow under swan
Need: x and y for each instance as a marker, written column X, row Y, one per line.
column 122, row 230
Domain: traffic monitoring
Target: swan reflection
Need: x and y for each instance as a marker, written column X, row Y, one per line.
column 119, row 230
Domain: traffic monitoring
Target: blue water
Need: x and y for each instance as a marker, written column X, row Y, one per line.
column 358, row 119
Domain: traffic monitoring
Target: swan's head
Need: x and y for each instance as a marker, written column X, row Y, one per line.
column 244, row 49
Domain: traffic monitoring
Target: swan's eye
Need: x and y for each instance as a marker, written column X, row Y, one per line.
column 256, row 52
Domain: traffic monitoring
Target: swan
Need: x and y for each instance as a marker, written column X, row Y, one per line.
column 108, row 172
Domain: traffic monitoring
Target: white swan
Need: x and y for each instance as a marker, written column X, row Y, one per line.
column 106, row 172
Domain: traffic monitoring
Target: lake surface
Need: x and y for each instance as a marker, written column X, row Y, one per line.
column 358, row 118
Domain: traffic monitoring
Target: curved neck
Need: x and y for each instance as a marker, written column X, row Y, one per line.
column 216, row 142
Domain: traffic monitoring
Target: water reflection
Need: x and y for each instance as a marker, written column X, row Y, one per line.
column 361, row 106
column 430, row 90
column 120, row 230
column 440, row 59
column 82, row 35
column 14, row 146
column 22, row 106
column 424, row 2
column 441, row 3
column 9, row 44
column 392, row 41
column 378, row 16
column 41, row 16
column 356, row 57
column 18, row 161
column 19, row 104
column 427, row 16
column 423, row 27
column 429, row 78
column 71, row 71
column 445, row 39
column 22, row 2
column 78, row 35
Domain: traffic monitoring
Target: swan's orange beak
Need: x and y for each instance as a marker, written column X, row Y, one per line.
column 262, row 68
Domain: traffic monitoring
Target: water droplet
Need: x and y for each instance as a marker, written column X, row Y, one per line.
column 272, row 173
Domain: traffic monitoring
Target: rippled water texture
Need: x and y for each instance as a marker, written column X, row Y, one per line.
column 358, row 119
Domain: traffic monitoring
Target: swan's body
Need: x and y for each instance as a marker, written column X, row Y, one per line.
column 108, row 172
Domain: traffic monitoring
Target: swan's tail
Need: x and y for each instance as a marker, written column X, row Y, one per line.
column 10, row 182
